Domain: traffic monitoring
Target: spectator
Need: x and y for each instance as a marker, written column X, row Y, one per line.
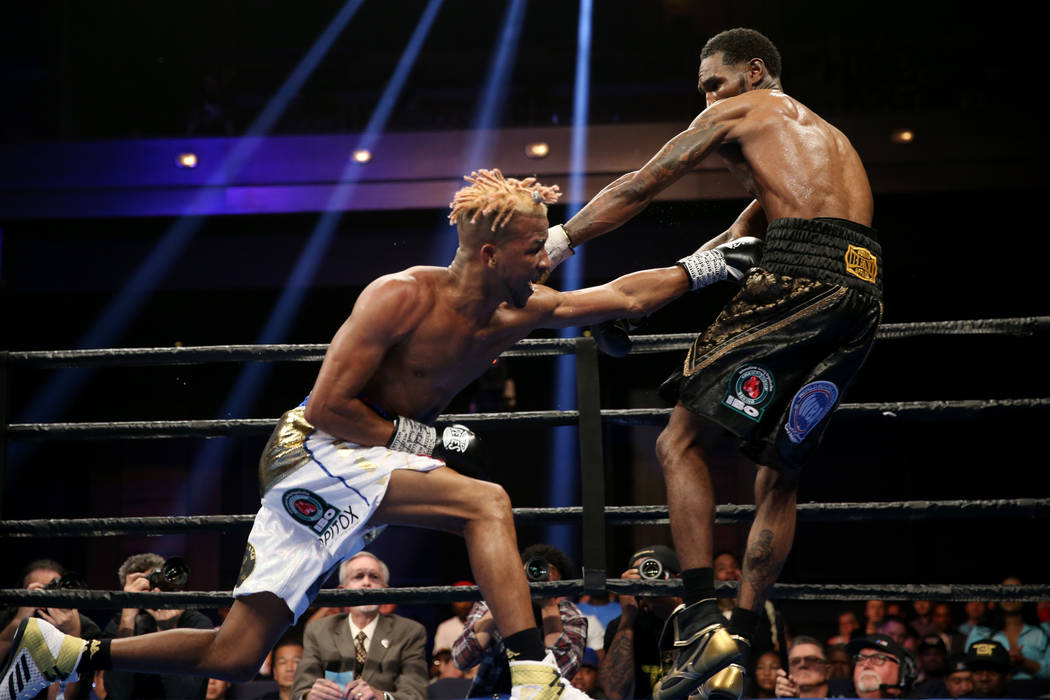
column 957, row 681
column 766, row 667
column 932, row 656
column 840, row 663
column 975, row 616
column 448, row 631
column 136, row 574
column 36, row 576
column 895, row 627
column 564, row 630
column 954, row 642
column 447, row 681
column 848, row 624
column 284, row 660
column 807, row 674
column 633, row 662
column 770, row 631
column 603, row 607
column 883, row 668
column 217, row 689
column 990, row 664
column 922, row 618
column 1028, row 644
column 586, row 679
column 874, row 611
column 386, row 653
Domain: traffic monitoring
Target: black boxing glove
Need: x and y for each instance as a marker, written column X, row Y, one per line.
column 457, row 446
column 612, row 337
column 730, row 260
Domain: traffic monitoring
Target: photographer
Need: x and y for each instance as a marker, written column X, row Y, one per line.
column 147, row 572
column 633, row 663
column 564, row 628
column 49, row 574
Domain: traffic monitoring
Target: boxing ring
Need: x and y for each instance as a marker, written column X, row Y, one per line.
column 594, row 515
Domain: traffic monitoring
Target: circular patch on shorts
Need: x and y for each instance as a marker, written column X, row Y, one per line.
column 305, row 506
column 247, row 564
column 750, row 388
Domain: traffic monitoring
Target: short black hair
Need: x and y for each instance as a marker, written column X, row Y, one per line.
column 41, row 565
column 552, row 555
column 741, row 45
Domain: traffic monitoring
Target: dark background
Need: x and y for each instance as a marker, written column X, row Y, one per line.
column 108, row 70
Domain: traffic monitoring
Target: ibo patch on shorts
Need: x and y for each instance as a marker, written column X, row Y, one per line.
column 320, row 494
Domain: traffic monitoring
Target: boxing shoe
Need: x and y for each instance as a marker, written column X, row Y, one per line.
column 704, row 649
column 40, row 655
column 727, row 684
column 541, row 680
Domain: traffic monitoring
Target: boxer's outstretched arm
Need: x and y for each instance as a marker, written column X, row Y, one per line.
column 631, row 193
column 377, row 322
column 631, row 296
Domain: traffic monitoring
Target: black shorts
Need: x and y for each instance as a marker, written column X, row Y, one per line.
column 778, row 359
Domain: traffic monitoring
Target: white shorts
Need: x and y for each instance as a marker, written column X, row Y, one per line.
column 317, row 513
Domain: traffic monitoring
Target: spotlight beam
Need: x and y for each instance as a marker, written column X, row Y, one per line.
column 490, row 106
column 250, row 380
column 64, row 385
column 564, row 465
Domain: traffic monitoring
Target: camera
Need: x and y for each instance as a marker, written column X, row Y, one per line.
column 651, row 569
column 537, row 569
column 170, row 576
column 70, row 581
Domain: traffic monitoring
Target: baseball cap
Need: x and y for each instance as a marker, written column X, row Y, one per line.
column 881, row 642
column 957, row 663
column 933, row 641
column 590, row 658
column 988, row 653
column 663, row 554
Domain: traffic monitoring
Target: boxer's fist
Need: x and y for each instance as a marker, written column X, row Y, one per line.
column 730, row 260
column 612, row 337
column 459, row 448
column 741, row 255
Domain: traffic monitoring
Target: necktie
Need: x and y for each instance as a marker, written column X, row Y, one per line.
column 359, row 647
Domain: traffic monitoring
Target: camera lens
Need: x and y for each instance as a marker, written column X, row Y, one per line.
column 537, row 569
column 175, row 572
column 651, row 569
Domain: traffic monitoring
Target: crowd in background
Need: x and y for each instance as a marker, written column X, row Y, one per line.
column 608, row 645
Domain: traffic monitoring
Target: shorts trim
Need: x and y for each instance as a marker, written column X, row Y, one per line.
column 319, row 463
column 826, row 299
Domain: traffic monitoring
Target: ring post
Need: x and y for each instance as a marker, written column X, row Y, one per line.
column 592, row 465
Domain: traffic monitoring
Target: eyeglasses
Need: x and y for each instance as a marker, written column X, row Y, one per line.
column 807, row 660
column 875, row 659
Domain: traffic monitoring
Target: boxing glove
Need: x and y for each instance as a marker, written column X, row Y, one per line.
column 730, row 260
column 612, row 337
column 457, row 446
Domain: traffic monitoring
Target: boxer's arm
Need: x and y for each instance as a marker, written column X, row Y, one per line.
column 631, row 193
column 631, row 296
column 378, row 321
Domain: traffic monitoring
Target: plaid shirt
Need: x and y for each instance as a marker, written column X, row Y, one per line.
column 567, row 649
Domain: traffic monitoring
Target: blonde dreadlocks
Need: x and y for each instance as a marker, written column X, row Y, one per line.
column 491, row 193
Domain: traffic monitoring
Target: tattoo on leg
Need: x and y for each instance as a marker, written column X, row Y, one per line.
column 761, row 563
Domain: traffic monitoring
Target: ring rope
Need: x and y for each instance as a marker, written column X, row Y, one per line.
column 248, row 427
column 618, row 515
column 105, row 600
column 529, row 347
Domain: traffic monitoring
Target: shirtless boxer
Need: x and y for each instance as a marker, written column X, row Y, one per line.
column 361, row 453
column 769, row 372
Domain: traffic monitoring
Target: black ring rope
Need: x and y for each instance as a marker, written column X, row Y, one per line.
column 248, row 427
column 619, row 515
column 107, row 600
column 530, row 347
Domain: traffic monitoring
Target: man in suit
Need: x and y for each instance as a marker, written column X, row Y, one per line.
column 385, row 653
